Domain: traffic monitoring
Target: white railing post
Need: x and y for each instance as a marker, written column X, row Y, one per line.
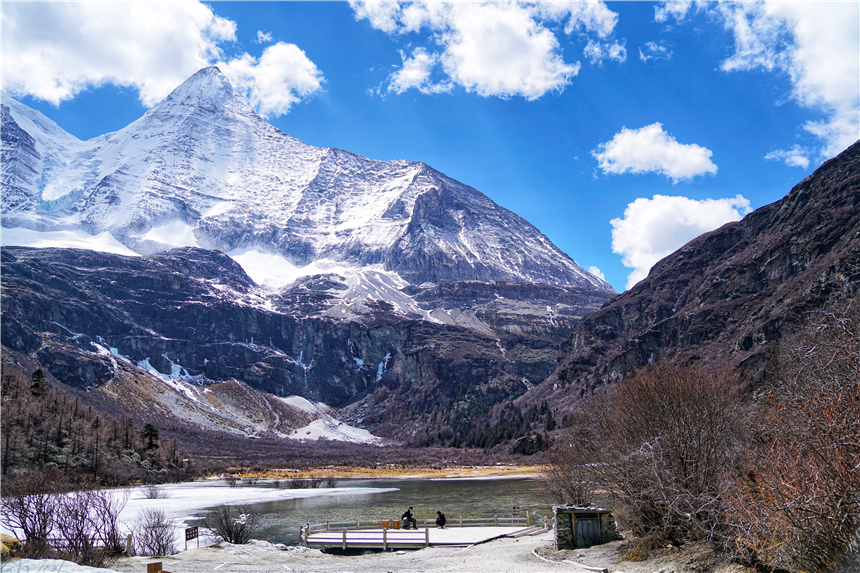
column 344, row 539
column 496, row 520
column 426, row 537
column 385, row 539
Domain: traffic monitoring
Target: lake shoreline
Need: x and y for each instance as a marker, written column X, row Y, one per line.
column 359, row 472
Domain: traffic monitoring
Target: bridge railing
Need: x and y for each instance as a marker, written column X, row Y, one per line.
column 394, row 524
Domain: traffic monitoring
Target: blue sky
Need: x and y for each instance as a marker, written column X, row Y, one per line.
column 620, row 130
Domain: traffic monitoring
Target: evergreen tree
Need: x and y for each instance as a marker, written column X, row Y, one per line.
column 38, row 383
column 150, row 435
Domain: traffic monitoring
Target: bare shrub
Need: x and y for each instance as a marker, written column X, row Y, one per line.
column 305, row 483
column 153, row 533
column 87, row 525
column 231, row 523
column 330, row 481
column 798, row 504
column 152, row 491
column 104, row 518
column 30, row 504
column 664, row 442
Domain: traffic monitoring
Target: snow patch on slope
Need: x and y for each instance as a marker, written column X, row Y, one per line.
column 174, row 380
column 70, row 239
column 303, row 404
column 326, row 427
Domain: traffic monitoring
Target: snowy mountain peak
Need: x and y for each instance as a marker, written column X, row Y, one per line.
column 206, row 93
column 207, row 85
column 202, row 169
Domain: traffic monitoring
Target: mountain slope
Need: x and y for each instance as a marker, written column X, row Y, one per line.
column 161, row 333
column 731, row 294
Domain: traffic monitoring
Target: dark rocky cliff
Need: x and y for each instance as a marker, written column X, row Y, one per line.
column 731, row 294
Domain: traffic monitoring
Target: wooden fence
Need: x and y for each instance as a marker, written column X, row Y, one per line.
column 61, row 544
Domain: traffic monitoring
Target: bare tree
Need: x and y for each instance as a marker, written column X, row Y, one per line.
column 664, row 442
column 153, row 533
column 798, row 504
column 570, row 478
column 231, row 523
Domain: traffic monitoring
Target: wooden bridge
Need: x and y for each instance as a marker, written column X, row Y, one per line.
column 386, row 534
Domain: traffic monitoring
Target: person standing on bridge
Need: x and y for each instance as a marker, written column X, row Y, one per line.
column 408, row 519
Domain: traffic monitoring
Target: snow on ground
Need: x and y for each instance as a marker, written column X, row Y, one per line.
column 328, row 428
column 71, row 239
column 303, row 404
column 48, row 566
column 174, row 234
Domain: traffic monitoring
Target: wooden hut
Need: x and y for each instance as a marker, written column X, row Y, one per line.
column 577, row 526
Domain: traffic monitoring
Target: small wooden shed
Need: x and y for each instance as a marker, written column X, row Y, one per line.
column 577, row 526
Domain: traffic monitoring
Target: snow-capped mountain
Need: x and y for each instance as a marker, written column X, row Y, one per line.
column 202, row 169
column 384, row 282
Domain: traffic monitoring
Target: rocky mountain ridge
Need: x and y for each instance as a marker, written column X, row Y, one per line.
column 731, row 295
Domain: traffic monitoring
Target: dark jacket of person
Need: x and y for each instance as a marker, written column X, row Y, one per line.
column 440, row 520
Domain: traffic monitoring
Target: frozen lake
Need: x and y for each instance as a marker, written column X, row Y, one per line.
column 389, row 498
column 282, row 511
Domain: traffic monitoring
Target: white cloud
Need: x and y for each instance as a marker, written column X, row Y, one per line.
column 650, row 149
column 597, row 272
column 794, row 157
column 282, row 76
column 596, row 51
column 654, row 51
column 672, row 9
column 653, row 228
column 416, row 72
column 53, row 51
column 263, row 37
column 382, row 15
column 492, row 48
column 814, row 43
